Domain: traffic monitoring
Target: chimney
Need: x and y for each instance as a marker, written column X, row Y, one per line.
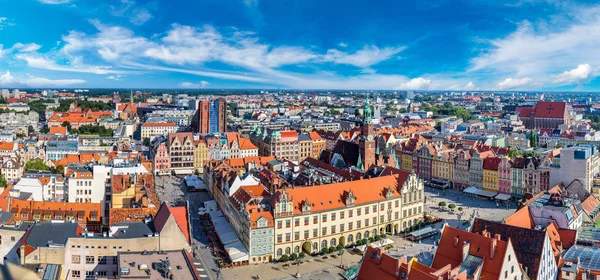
column 493, row 248
column 456, row 241
column 497, row 236
column 22, row 254
column 466, row 248
column 485, row 233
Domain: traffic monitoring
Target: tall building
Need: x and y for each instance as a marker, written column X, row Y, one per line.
column 367, row 141
column 211, row 116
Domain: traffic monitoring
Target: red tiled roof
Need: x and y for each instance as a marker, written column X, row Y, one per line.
column 491, row 163
column 550, row 109
column 180, row 216
column 288, row 135
column 450, row 251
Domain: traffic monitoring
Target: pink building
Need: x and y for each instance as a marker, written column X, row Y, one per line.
column 162, row 162
column 504, row 176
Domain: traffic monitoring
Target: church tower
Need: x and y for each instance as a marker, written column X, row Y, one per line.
column 367, row 139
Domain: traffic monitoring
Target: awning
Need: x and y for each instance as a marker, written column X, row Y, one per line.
column 184, row 172
column 503, row 196
column 231, row 242
column 480, row 192
column 376, row 244
column 471, row 190
column 423, row 231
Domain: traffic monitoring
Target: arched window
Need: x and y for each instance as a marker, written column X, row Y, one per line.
column 374, row 232
column 324, row 244
column 287, row 250
column 367, row 234
column 279, row 252
column 404, row 225
column 297, row 249
column 358, row 237
column 350, row 239
column 410, row 223
column 315, row 246
column 332, row 242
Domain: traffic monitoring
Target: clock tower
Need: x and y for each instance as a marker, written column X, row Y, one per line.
column 366, row 141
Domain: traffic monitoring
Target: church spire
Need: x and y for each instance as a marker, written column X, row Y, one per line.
column 367, row 113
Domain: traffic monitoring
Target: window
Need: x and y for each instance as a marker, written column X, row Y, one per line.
column 288, row 236
column 288, row 223
column 279, row 224
column 333, row 216
column 324, row 218
column 396, row 203
column 306, row 234
column 101, row 273
column 89, row 259
column 75, row 274
column 279, row 238
column 375, row 208
column 315, row 232
column 279, row 252
column 341, row 227
column 374, row 220
column 358, row 211
column 89, row 274
column 101, row 260
column 315, row 219
column 342, row 214
column 332, row 229
column 366, row 222
column 381, row 219
column 297, row 222
column 114, row 260
column 306, row 221
column 389, row 205
column 324, row 231
column 367, row 210
column 76, row 259
column 396, row 215
column 350, row 226
column 357, row 224
column 296, row 235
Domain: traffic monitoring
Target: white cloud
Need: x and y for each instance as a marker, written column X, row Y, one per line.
column 115, row 77
column 140, row 16
column 416, row 84
column 41, row 62
column 470, row 86
column 582, row 73
column 201, row 84
column 31, row 47
column 7, row 79
column 510, row 83
column 364, row 58
column 55, row 2
column 44, row 82
column 342, row 44
column 536, row 49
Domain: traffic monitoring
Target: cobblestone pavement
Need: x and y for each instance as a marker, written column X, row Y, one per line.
column 482, row 208
column 172, row 189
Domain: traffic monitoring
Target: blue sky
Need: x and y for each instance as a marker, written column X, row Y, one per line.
column 307, row 44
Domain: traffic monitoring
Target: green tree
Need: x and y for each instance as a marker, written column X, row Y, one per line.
column 452, row 206
column 533, row 139
column 146, row 141
column 301, row 255
column 3, row 182
column 442, row 204
column 293, row 256
column 331, row 249
column 67, row 125
column 513, row 153
column 284, row 258
column 44, row 130
column 357, row 113
column 58, row 170
column 36, row 164
column 339, row 247
column 30, row 129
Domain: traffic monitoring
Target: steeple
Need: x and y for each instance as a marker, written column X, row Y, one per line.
column 367, row 113
column 131, row 97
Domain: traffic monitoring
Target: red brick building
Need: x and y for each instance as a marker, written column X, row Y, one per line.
column 546, row 114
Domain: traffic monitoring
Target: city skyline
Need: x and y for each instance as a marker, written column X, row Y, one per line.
column 440, row 45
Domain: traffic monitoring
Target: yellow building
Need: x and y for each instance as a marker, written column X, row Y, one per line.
column 200, row 155
column 133, row 191
column 311, row 219
column 490, row 173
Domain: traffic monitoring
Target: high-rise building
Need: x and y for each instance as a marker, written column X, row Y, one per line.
column 211, row 116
